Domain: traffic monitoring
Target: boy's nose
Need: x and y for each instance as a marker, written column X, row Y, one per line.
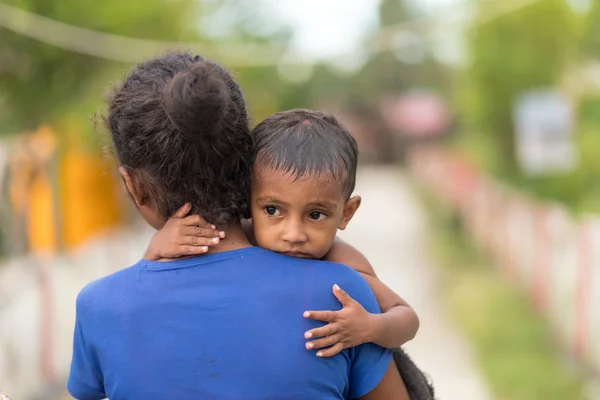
column 294, row 234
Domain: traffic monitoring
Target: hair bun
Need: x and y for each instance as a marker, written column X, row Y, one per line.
column 196, row 101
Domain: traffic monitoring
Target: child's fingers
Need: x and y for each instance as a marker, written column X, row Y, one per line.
column 183, row 211
column 342, row 296
column 198, row 241
column 332, row 351
column 327, row 330
column 196, row 220
column 323, row 342
column 200, row 223
column 192, row 250
column 200, row 232
column 327, row 316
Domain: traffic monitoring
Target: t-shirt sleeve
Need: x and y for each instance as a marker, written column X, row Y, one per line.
column 369, row 361
column 84, row 379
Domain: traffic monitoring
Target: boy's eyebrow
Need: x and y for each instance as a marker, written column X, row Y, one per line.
column 267, row 199
column 323, row 204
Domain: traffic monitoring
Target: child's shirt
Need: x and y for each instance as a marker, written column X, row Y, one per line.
column 221, row 326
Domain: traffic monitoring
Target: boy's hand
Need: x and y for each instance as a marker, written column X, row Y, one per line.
column 183, row 235
column 347, row 327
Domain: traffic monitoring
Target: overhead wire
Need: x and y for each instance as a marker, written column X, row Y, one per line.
column 247, row 55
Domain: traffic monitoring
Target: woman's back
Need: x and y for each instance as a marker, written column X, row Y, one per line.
column 223, row 326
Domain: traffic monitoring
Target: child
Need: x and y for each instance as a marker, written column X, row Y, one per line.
column 303, row 177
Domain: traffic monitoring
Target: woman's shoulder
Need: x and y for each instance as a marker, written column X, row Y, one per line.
column 97, row 291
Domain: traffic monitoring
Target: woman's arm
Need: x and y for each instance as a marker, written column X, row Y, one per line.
column 398, row 322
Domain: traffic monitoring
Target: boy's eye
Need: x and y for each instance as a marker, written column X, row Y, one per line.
column 317, row 215
column 272, row 211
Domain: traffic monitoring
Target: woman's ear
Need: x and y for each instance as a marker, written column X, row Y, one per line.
column 349, row 209
column 133, row 188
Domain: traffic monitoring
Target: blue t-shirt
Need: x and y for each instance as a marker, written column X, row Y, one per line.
column 221, row 326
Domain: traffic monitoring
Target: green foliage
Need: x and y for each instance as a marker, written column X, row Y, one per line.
column 522, row 50
column 43, row 84
column 39, row 82
column 591, row 39
column 383, row 74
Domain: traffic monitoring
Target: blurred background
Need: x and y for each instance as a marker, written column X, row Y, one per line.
column 478, row 124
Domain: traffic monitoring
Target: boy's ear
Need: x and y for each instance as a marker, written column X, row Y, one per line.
column 349, row 209
column 137, row 193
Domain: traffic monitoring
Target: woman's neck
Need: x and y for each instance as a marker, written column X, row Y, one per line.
column 234, row 239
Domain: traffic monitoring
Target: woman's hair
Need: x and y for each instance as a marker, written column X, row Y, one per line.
column 179, row 125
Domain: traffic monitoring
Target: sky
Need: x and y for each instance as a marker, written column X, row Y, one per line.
column 326, row 28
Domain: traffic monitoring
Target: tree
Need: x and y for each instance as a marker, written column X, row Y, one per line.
column 524, row 50
column 39, row 81
column 591, row 39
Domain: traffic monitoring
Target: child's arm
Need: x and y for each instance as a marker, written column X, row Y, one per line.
column 397, row 324
column 183, row 235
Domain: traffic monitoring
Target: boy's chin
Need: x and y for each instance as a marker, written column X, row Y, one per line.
column 298, row 254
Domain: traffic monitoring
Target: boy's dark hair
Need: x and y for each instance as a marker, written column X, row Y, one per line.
column 179, row 124
column 307, row 142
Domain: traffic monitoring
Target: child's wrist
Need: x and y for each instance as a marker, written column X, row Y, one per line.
column 375, row 327
column 150, row 255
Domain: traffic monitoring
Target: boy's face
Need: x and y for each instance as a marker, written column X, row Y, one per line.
column 298, row 217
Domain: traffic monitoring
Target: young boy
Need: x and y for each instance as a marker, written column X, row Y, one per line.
column 303, row 178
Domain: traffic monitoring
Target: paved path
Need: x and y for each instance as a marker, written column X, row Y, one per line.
column 390, row 229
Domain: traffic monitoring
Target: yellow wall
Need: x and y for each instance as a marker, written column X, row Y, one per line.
column 42, row 236
column 87, row 192
column 89, row 197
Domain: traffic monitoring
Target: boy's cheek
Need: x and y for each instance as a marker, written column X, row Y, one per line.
column 265, row 236
column 322, row 242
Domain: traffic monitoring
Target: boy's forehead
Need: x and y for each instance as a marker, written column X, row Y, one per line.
column 323, row 183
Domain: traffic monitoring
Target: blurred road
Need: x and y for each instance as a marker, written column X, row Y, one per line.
column 391, row 230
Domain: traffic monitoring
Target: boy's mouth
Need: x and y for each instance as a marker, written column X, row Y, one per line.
column 297, row 254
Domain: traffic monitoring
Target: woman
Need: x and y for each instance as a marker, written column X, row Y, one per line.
column 203, row 327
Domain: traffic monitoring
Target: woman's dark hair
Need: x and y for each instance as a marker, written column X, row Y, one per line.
column 179, row 124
